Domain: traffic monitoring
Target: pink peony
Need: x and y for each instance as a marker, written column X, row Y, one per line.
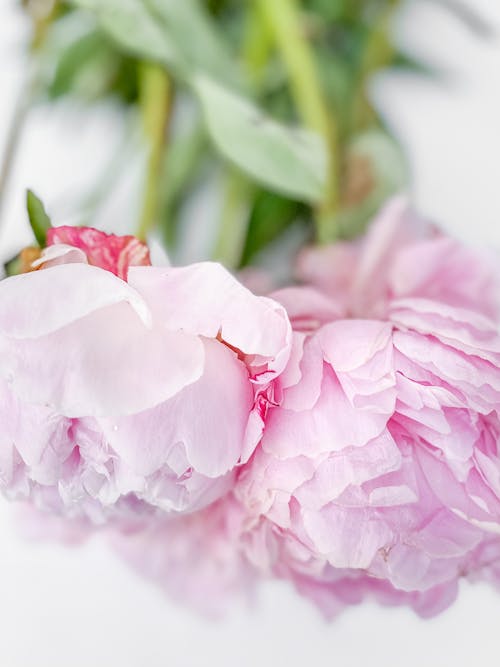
column 379, row 472
column 107, row 251
column 130, row 399
column 401, row 255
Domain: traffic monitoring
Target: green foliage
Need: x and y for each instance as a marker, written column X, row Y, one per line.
column 39, row 220
column 187, row 156
column 271, row 215
column 13, row 266
column 285, row 159
column 91, row 67
column 232, row 75
column 135, row 29
column 182, row 38
column 197, row 41
column 177, row 34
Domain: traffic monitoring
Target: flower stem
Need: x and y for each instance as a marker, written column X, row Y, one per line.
column 156, row 96
column 43, row 14
column 378, row 53
column 236, row 209
column 284, row 21
column 234, row 219
column 257, row 46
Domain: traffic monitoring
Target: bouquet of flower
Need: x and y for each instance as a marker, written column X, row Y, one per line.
column 317, row 402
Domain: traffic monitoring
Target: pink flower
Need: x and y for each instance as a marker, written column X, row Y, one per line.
column 379, row 472
column 107, row 251
column 131, row 399
column 402, row 255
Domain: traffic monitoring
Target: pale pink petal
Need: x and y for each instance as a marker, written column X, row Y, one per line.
column 348, row 538
column 38, row 303
column 351, row 466
column 60, row 254
column 221, row 399
column 307, row 308
column 107, row 363
column 205, row 299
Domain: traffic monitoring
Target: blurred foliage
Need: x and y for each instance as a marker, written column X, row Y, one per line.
column 91, row 67
column 225, row 64
column 39, row 220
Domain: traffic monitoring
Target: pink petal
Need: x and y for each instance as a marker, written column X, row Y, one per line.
column 205, row 299
column 76, row 329
column 38, row 303
column 221, row 399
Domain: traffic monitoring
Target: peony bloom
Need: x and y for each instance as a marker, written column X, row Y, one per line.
column 123, row 399
column 107, row 251
column 379, row 472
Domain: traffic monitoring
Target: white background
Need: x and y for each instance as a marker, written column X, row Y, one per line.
column 80, row 607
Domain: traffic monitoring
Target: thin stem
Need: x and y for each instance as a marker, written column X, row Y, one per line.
column 257, row 44
column 378, row 53
column 284, row 20
column 156, row 107
column 43, row 14
column 235, row 215
column 234, row 220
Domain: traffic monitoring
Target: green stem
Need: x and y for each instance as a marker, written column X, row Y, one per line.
column 284, row 20
column 236, row 209
column 257, row 44
column 234, row 220
column 378, row 53
column 42, row 20
column 156, row 105
column 185, row 161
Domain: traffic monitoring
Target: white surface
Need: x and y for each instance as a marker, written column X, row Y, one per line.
column 82, row 608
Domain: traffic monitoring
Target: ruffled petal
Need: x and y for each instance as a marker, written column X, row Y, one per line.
column 39, row 303
column 205, row 299
column 206, row 420
column 82, row 373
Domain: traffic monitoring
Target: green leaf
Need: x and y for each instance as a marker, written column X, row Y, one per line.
column 13, row 266
column 39, row 220
column 134, row 28
column 85, row 67
column 408, row 64
column 271, row 216
column 178, row 34
column 285, row 159
column 195, row 37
